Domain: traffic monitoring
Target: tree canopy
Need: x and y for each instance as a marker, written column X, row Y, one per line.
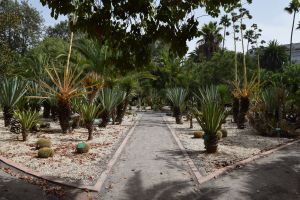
column 134, row 25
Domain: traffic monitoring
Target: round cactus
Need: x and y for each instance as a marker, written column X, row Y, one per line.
column 219, row 135
column 41, row 143
column 224, row 133
column 82, row 147
column 198, row 134
column 45, row 152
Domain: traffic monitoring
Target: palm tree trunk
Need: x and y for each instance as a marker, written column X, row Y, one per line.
column 291, row 41
column 244, row 56
column 64, row 113
column 7, row 115
column 105, row 119
column 47, row 109
column 235, row 57
column 177, row 115
column 90, row 131
column 224, row 35
column 24, row 135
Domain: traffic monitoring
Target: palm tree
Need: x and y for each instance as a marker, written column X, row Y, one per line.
column 11, row 91
column 293, row 9
column 225, row 21
column 88, row 113
column 210, row 38
column 209, row 113
column 28, row 119
column 177, row 97
column 96, row 55
column 273, row 56
column 108, row 100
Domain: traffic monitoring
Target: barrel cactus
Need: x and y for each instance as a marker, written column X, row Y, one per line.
column 45, row 152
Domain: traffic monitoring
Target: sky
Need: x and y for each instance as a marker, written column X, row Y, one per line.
column 269, row 15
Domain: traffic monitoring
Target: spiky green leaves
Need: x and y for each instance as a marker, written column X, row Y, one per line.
column 177, row 96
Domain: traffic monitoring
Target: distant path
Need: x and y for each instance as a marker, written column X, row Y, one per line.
column 151, row 166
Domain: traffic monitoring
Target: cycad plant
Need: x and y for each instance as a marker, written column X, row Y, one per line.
column 28, row 119
column 88, row 114
column 63, row 89
column 108, row 100
column 209, row 113
column 11, row 91
column 177, row 97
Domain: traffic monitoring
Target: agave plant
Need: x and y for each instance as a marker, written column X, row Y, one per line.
column 108, row 100
column 177, row 96
column 209, row 116
column 28, row 119
column 62, row 90
column 88, row 114
column 11, row 91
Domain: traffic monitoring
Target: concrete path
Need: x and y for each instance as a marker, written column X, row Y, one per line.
column 275, row 177
column 151, row 166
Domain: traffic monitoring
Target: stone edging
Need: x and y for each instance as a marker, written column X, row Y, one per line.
column 190, row 162
column 201, row 179
column 98, row 185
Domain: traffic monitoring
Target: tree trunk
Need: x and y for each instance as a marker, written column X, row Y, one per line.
column 105, row 119
column 191, row 121
column 90, row 131
column 244, row 56
column 224, row 38
column 235, row 57
column 291, row 41
column 24, row 135
column 235, row 109
column 47, row 109
column 244, row 107
column 121, row 110
column 211, row 144
column 64, row 113
column 177, row 115
column 7, row 115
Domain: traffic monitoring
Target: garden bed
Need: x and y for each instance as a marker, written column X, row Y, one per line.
column 66, row 163
column 239, row 145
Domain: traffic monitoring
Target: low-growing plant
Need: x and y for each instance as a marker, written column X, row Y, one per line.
column 224, row 133
column 28, row 119
column 88, row 113
column 45, row 152
column 198, row 134
column 209, row 114
column 82, row 147
column 177, row 96
column 11, row 91
column 43, row 142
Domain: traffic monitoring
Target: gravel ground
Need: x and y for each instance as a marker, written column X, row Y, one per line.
column 239, row 145
column 66, row 164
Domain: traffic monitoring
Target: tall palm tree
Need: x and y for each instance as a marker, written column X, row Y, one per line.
column 292, row 9
column 210, row 38
column 225, row 22
column 274, row 56
column 96, row 55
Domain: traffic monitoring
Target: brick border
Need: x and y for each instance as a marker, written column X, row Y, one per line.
column 202, row 179
column 99, row 183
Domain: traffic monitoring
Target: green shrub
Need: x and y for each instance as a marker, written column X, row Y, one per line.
column 41, row 143
column 82, row 147
column 198, row 134
column 45, row 152
column 224, row 132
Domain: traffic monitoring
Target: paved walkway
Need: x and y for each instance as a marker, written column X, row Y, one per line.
column 151, row 167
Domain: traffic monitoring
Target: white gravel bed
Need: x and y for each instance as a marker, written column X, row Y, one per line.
column 66, row 164
column 239, row 145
